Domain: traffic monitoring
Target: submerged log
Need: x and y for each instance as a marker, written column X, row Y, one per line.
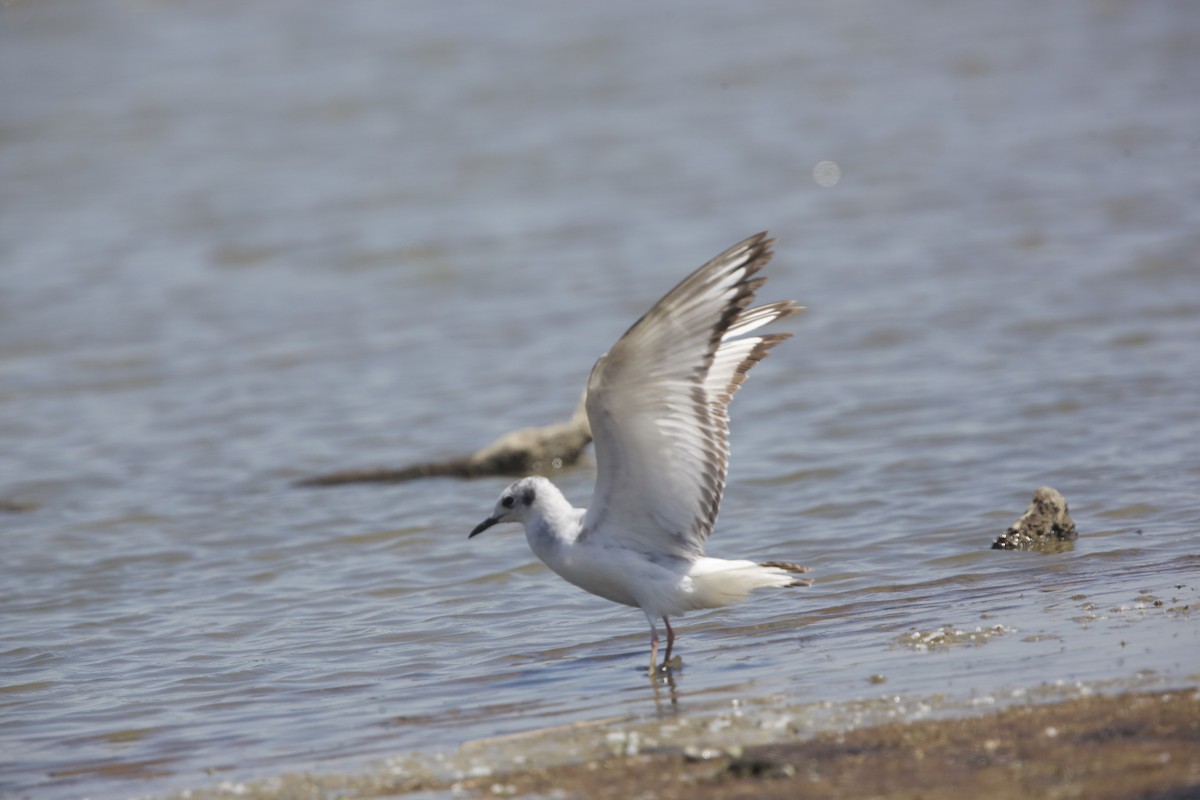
column 521, row 452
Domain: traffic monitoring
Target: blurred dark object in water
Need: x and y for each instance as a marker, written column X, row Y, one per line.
column 522, row 452
column 16, row 505
column 1045, row 525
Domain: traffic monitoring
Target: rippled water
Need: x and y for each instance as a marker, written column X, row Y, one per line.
column 242, row 245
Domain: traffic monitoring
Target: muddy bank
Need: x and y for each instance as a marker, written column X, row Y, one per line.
column 1138, row 745
column 1135, row 744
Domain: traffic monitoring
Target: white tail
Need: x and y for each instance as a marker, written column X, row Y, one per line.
column 717, row 582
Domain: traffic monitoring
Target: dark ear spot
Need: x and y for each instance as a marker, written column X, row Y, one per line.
column 527, row 497
column 507, row 502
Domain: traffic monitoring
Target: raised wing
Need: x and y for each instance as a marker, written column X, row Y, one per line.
column 657, row 404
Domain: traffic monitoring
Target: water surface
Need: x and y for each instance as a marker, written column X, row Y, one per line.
column 241, row 246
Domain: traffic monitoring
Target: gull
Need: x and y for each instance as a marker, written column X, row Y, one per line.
column 657, row 404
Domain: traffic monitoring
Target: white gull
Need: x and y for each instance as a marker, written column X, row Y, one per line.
column 658, row 403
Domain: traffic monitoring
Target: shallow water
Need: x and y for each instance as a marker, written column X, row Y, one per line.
column 240, row 247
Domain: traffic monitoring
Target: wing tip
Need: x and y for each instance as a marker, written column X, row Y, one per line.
column 757, row 353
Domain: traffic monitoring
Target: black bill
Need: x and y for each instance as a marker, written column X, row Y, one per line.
column 483, row 526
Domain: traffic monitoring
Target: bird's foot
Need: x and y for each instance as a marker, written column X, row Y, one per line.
column 667, row 667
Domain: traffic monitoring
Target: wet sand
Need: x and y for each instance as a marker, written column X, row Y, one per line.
column 1145, row 745
column 1132, row 744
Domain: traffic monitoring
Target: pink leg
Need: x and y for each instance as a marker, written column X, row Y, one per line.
column 670, row 640
column 653, row 650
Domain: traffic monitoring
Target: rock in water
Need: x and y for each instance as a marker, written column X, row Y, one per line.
column 1045, row 523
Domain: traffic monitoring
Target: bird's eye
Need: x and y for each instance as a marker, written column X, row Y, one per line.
column 507, row 502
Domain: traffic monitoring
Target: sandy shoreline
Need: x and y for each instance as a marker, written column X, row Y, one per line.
column 1129, row 744
column 1134, row 745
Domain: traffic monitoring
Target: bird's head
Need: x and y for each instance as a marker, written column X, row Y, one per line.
column 517, row 503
